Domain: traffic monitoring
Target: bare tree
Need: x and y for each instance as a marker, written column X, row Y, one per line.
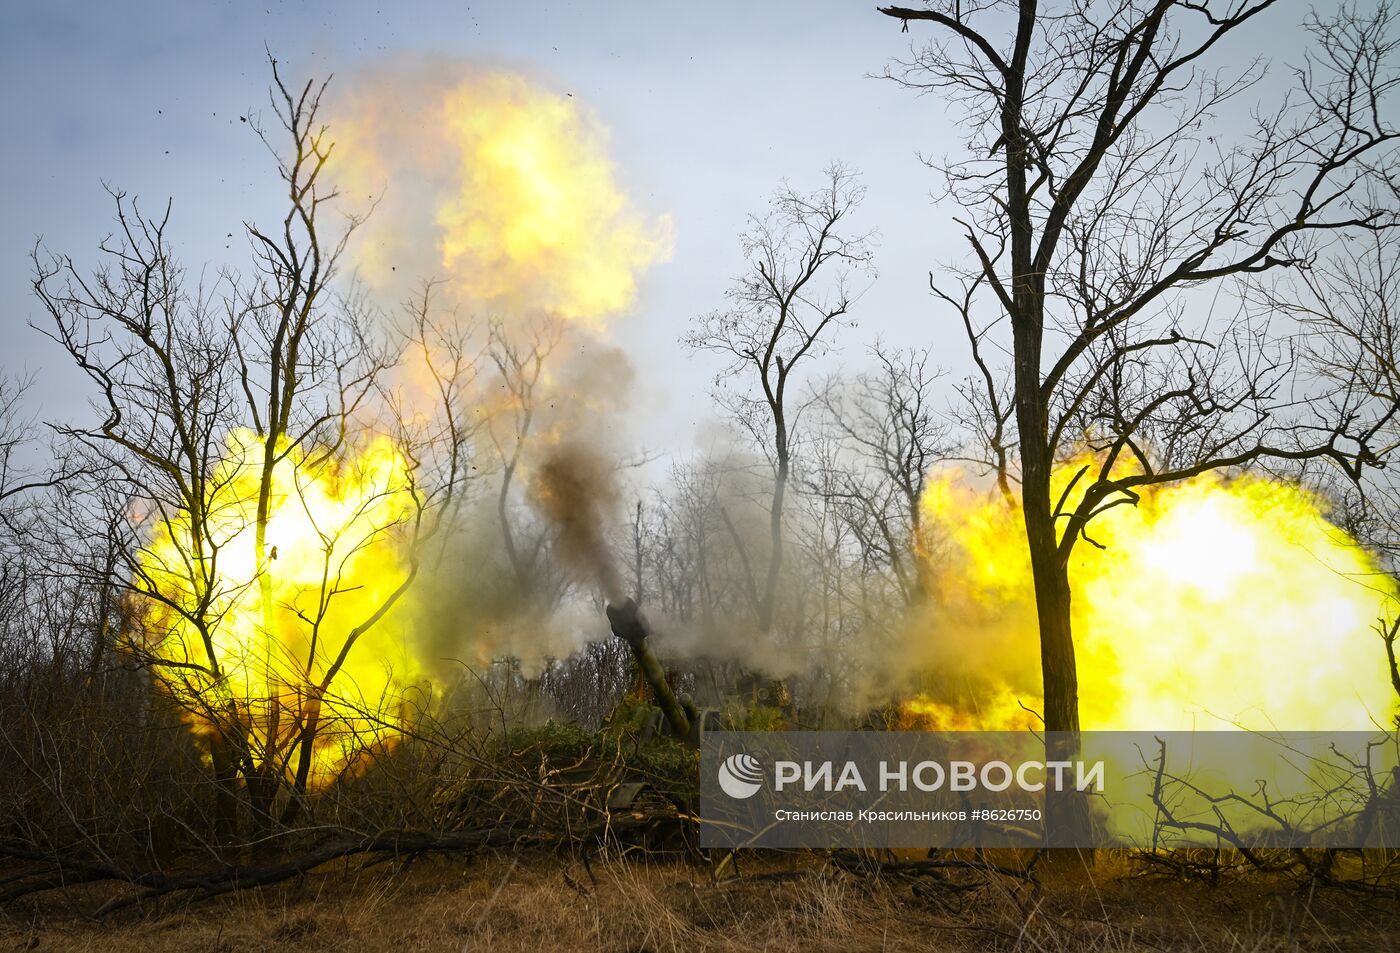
column 1096, row 193
column 986, row 409
column 802, row 262
column 433, row 446
column 512, row 421
column 17, row 438
column 689, row 570
column 890, row 434
column 1348, row 303
column 167, row 395
column 222, row 405
column 303, row 377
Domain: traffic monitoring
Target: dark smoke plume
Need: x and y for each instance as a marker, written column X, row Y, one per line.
column 575, row 490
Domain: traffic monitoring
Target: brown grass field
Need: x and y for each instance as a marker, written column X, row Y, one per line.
column 538, row 903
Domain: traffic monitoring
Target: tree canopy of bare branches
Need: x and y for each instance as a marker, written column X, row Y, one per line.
column 219, row 402
column 1111, row 199
column 804, row 259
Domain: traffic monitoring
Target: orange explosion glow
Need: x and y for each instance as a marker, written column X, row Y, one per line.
column 504, row 193
column 1214, row 603
column 333, row 544
column 500, row 187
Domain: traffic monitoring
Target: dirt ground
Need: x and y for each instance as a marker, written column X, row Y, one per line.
column 537, row 904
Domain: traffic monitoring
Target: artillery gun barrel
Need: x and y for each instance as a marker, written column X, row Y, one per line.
column 629, row 626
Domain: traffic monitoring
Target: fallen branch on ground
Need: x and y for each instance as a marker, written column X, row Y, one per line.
column 56, row 872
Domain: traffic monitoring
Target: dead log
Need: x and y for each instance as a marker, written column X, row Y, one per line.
column 55, row 871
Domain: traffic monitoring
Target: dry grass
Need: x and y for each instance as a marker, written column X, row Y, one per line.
column 541, row 904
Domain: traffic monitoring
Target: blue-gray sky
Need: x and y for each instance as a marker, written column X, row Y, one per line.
column 710, row 105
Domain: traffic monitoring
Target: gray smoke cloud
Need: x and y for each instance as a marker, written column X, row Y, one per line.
column 575, row 489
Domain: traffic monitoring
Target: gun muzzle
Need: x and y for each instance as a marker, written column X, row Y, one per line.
column 629, row 626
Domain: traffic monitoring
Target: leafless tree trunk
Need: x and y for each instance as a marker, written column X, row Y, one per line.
column 1350, row 304
column 1094, row 195
column 511, row 423
column 889, row 437
column 274, row 378
column 802, row 259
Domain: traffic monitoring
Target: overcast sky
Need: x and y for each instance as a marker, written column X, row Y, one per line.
column 710, row 106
